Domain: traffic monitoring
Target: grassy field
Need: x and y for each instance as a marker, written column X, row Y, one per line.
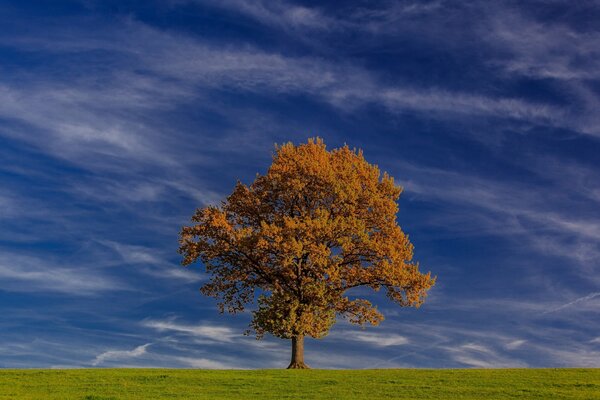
column 103, row 384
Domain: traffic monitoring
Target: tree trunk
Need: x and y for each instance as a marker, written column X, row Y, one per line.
column 298, row 353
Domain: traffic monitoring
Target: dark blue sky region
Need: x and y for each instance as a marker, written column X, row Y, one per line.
column 119, row 118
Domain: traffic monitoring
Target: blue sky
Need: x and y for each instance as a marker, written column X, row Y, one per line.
column 119, row 118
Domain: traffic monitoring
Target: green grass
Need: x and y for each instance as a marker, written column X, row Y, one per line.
column 104, row 384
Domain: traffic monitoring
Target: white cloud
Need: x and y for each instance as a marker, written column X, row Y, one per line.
column 31, row 274
column 133, row 254
column 550, row 224
column 515, row 344
column 570, row 354
column 91, row 117
column 74, row 123
column 327, row 359
column 472, row 104
column 382, row 18
column 552, row 51
column 544, row 49
column 150, row 261
column 478, row 355
column 175, row 272
column 205, row 363
column 207, row 332
column 377, row 339
column 540, row 50
column 573, row 302
column 113, row 355
column 281, row 14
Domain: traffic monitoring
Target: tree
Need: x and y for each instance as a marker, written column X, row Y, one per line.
column 298, row 238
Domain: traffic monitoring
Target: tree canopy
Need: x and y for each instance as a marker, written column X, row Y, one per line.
column 317, row 224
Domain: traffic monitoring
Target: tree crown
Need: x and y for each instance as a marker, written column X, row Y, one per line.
column 317, row 224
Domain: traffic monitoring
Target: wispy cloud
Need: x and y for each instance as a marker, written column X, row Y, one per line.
column 83, row 124
column 515, row 344
column 151, row 261
column 205, row 363
column 544, row 50
column 481, row 356
column 280, row 14
column 212, row 333
column 377, row 339
column 383, row 18
column 31, row 274
column 445, row 102
column 133, row 254
column 120, row 355
column 535, row 49
column 494, row 207
column 555, row 51
column 573, row 302
column 185, row 63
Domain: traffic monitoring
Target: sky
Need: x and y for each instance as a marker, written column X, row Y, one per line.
column 119, row 118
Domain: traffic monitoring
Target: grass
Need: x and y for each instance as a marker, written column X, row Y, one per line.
column 105, row 384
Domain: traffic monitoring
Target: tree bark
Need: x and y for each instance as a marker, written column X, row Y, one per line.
column 298, row 353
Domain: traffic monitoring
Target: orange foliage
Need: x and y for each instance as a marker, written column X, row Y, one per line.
column 317, row 224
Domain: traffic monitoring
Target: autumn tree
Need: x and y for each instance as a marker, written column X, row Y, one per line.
column 296, row 240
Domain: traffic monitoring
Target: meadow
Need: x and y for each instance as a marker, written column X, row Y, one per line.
column 105, row 384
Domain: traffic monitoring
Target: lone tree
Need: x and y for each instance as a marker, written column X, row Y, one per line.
column 316, row 225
